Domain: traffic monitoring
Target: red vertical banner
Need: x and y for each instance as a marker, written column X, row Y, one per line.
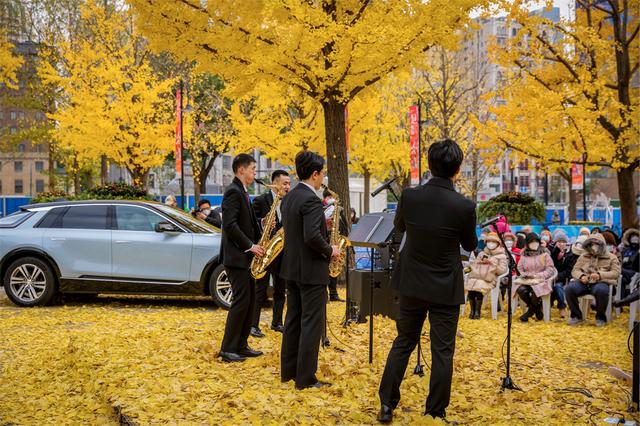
column 414, row 144
column 577, row 176
column 178, row 132
column 346, row 128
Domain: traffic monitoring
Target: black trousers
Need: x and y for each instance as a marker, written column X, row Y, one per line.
column 333, row 287
column 279, row 297
column 443, row 320
column 302, row 332
column 238, row 327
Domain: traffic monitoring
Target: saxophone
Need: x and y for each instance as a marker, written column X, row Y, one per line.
column 336, row 264
column 272, row 245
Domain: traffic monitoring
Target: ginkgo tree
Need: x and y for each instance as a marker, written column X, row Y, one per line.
column 112, row 103
column 572, row 97
column 10, row 62
column 328, row 50
column 379, row 131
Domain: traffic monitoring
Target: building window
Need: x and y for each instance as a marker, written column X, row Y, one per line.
column 513, row 32
column 39, row 115
column 39, row 148
column 18, row 188
column 12, row 115
column 39, row 186
column 22, row 147
column 17, row 166
column 39, row 166
column 1, row 115
column 14, row 130
column 21, row 115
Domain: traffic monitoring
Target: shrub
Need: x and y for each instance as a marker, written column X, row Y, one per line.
column 519, row 208
column 112, row 191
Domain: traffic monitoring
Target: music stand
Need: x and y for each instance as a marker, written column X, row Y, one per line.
column 373, row 232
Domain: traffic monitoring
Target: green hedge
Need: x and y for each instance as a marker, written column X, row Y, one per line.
column 519, row 208
column 112, row 191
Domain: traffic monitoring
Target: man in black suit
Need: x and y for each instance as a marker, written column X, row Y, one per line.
column 261, row 206
column 240, row 233
column 429, row 278
column 305, row 267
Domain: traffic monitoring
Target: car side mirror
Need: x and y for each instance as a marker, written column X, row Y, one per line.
column 166, row 227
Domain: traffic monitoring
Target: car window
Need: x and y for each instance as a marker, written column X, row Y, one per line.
column 84, row 217
column 132, row 218
column 14, row 219
column 194, row 225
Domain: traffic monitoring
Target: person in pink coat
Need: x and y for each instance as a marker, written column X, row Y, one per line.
column 536, row 276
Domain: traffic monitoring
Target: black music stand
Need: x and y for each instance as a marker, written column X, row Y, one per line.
column 373, row 232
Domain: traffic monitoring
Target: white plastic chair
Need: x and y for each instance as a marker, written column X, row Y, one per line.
column 494, row 295
column 546, row 301
column 585, row 304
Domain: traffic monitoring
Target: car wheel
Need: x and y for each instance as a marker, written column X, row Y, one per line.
column 29, row 281
column 220, row 287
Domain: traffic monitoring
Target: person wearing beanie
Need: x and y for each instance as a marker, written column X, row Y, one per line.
column 535, row 280
column 593, row 273
column 485, row 270
column 563, row 260
column 585, row 231
column 628, row 250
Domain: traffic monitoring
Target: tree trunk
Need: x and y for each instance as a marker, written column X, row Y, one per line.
column 573, row 195
column 207, row 165
column 196, row 187
column 337, row 169
column 76, row 176
column 367, row 191
column 627, row 194
column 475, row 179
column 104, row 172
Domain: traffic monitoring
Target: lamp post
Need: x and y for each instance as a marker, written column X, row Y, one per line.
column 181, row 150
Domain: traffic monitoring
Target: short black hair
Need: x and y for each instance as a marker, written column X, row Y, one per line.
column 445, row 158
column 326, row 193
column 202, row 202
column 308, row 162
column 277, row 174
column 242, row 160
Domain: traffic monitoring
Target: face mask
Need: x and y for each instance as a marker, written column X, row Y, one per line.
column 492, row 245
column 534, row 246
column 635, row 240
column 593, row 249
column 509, row 244
column 206, row 212
column 545, row 238
column 610, row 248
column 578, row 246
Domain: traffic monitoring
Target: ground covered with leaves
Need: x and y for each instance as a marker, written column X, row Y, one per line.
column 154, row 361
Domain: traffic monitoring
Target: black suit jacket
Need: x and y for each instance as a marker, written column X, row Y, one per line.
column 437, row 220
column 306, row 254
column 240, row 228
column 261, row 206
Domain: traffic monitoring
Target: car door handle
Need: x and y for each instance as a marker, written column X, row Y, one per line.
column 122, row 242
column 58, row 239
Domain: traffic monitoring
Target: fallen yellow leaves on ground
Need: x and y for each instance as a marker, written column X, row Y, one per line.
column 155, row 361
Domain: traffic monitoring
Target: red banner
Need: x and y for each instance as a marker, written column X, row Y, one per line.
column 414, row 144
column 346, row 128
column 577, row 177
column 178, row 132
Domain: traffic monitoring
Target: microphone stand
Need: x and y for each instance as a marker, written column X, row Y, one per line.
column 507, row 382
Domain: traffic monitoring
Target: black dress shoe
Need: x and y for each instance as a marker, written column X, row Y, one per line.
column 278, row 328
column 232, row 357
column 250, row 353
column 386, row 414
column 256, row 332
column 335, row 299
column 317, row 384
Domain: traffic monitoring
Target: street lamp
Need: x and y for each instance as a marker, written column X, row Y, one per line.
column 189, row 108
